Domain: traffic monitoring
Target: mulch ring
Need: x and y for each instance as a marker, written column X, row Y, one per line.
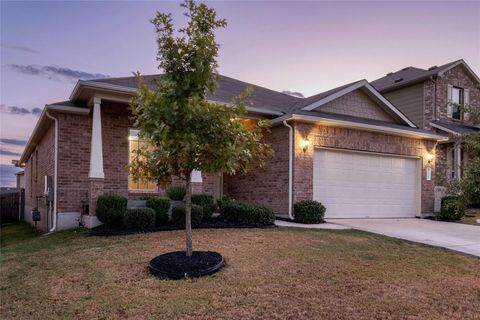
column 176, row 265
column 214, row 223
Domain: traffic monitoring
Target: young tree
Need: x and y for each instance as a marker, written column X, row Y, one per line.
column 184, row 130
column 467, row 188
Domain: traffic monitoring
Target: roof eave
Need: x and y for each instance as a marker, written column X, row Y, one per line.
column 361, row 126
column 42, row 122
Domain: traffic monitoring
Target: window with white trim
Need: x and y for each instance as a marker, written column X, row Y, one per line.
column 134, row 143
column 457, row 103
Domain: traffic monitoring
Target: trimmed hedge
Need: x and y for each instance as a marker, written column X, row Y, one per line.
column 111, row 209
column 160, row 206
column 206, row 202
column 236, row 211
column 178, row 215
column 139, row 218
column 308, row 211
column 176, row 193
column 223, row 201
column 452, row 209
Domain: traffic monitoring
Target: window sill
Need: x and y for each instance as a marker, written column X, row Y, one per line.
column 143, row 191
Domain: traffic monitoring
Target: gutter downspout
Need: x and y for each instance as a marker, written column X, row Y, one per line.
column 290, row 168
column 54, row 218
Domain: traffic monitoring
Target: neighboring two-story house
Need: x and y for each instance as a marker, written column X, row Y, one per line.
column 433, row 100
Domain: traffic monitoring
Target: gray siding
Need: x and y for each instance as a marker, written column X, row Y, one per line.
column 410, row 101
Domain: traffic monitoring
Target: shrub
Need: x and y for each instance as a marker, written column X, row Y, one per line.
column 139, row 218
column 178, row 215
column 451, row 209
column 206, row 202
column 160, row 206
column 240, row 212
column 223, row 201
column 176, row 193
column 111, row 209
column 308, row 211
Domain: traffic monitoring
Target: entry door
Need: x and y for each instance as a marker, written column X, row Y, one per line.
column 366, row 185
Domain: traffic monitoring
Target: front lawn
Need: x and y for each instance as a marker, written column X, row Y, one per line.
column 270, row 274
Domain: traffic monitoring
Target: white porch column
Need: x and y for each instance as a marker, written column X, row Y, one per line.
column 458, row 160
column 96, row 147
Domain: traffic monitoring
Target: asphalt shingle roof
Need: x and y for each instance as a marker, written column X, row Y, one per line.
column 458, row 128
column 227, row 89
column 407, row 76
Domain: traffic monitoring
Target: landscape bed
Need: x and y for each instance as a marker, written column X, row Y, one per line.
column 213, row 223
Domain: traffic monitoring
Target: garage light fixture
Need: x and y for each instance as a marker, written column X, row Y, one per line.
column 305, row 144
column 429, row 156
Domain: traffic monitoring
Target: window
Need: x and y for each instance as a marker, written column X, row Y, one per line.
column 134, row 143
column 457, row 103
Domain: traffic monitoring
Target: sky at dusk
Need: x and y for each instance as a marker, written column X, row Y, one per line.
column 308, row 47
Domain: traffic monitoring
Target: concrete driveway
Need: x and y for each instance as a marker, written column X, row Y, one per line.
column 453, row 236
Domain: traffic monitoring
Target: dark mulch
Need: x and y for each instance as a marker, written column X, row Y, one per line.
column 291, row 220
column 214, row 223
column 176, row 265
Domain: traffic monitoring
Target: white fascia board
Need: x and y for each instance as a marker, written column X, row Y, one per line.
column 355, row 86
column 129, row 90
column 465, row 65
column 444, row 129
column 390, row 105
column 253, row 109
column 99, row 85
column 42, row 121
column 67, row 109
column 334, row 96
column 361, row 126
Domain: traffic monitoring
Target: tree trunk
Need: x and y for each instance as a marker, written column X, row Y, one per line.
column 188, row 215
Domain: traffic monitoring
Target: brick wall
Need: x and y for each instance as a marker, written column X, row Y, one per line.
column 326, row 136
column 74, row 136
column 357, row 104
column 39, row 165
column 267, row 186
column 456, row 77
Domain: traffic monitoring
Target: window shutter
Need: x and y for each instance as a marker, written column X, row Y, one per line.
column 449, row 101
column 466, row 102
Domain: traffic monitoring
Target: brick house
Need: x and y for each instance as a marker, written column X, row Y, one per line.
column 432, row 99
column 348, row 147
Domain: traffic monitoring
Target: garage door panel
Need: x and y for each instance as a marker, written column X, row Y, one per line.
column 360, row 185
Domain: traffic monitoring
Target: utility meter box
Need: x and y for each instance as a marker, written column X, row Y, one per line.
column 36, row 216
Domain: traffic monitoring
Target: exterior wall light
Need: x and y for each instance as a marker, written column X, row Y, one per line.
column 305, row 144
column 429, row 156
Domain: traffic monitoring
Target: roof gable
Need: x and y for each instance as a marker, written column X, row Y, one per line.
column 378, row 103
column 411, row 75
column 357, row 104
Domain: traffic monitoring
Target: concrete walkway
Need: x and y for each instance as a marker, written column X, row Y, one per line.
column 329, row 226
column 454, row 236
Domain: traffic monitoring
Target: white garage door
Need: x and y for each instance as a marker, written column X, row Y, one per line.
column 366, row 185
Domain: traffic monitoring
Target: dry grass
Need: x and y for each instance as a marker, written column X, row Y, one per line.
column 270, row 274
